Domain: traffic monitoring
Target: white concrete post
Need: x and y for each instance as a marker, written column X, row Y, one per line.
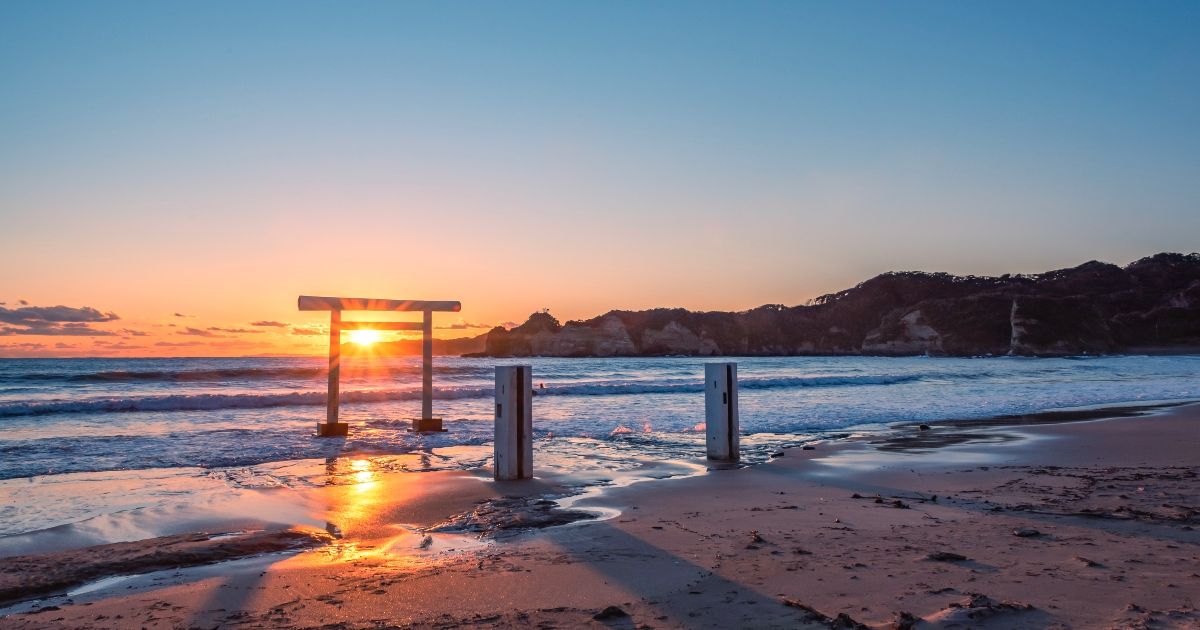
column 721, row 411
column 514, row 422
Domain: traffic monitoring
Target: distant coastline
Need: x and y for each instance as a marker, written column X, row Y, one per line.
column 1151, row 306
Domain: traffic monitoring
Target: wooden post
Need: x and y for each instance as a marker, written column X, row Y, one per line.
column 427, row 423
column 514, row 423
column 332, row 427
column 427, row 367
column 721, row 411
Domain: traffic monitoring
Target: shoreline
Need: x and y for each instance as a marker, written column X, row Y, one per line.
column 238, row 513
column 378, row 546
column 1136, row 351
column 1147, row 351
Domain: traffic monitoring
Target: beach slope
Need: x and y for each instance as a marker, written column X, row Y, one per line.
column 1079, row 524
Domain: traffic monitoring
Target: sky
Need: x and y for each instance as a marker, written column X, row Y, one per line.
column 173, row 173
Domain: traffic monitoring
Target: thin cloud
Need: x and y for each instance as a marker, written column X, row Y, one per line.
column 198, row 332
column 236, row 331
column 48, row 315
column 311, row 330
column 56, row 330
column 115, row 345
column 179, row 344
column 239, row 343
column 121, row 345
column 54, row 320
column 269, row 323
column 461, row 325
column 134, row 333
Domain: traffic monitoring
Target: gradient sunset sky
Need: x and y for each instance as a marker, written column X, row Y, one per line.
column 175, row 174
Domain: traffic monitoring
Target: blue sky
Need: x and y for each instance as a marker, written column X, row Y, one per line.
column 616, row 154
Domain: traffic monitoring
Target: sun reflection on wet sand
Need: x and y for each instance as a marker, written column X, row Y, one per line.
column 378, row 515
column 363, row 474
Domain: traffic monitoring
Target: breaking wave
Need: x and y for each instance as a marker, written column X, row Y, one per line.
column 214, row 375
column 212, row 402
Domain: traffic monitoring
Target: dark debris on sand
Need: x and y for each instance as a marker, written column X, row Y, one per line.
column 509, row 516
column 812, row 615
column 611, row 612
column 976, row 610
column 26, row 577
column 945, row 556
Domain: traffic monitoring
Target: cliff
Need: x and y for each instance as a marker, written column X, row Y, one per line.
column 1151, row 305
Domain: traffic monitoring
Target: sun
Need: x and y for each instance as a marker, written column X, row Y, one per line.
column 365, row 337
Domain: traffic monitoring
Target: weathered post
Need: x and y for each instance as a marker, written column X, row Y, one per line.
column 332, row 427
column 514, row 422
column 721, row 411
column 427, row 365
column 427, row 423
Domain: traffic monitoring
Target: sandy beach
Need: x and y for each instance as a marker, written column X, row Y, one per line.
column 1024, row 523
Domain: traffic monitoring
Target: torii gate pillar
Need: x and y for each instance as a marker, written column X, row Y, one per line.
column 335, row 306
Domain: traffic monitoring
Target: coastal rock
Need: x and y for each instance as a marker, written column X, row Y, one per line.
column 908, row 335
column 675, row 339
column 1151, row 305
column 608, row 339
column 1044, row 326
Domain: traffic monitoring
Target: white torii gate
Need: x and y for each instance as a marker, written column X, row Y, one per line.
column 335, row 306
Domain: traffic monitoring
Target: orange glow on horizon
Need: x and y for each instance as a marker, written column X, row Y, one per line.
column 365, row 337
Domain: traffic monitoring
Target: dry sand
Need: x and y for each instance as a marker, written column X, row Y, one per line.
column 1081, row 524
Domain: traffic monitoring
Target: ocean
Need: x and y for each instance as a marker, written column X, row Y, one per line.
column 250, row 419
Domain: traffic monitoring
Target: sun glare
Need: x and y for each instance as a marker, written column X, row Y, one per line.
column 365, row 337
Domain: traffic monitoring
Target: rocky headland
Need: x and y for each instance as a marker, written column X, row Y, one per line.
column 1149, row 306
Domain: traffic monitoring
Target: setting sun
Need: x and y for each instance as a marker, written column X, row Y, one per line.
column 365, row 337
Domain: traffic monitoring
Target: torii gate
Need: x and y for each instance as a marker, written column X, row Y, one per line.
column 335, row 306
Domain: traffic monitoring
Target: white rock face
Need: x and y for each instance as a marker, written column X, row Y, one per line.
column 674, row 337
column 1179, row 300
column 611, row 339
column 915, row 336
column 1017, row 325
column 1020, row 325
column 708, row 348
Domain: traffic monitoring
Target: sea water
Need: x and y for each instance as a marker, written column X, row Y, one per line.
column 247, row 420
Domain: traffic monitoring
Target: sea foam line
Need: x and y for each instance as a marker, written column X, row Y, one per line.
column 210, row 402
column 219, row 374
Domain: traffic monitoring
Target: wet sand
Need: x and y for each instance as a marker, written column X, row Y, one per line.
column 1081, row 524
